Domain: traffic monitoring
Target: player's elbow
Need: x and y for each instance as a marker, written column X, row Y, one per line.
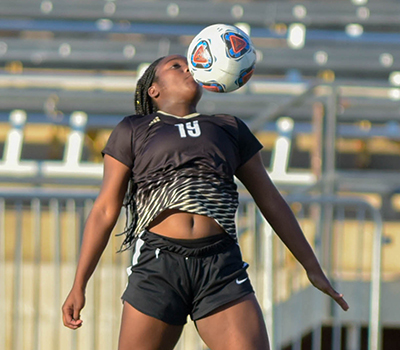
column 106, row 213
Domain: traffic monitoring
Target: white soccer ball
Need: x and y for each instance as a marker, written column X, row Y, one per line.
column 221, row 58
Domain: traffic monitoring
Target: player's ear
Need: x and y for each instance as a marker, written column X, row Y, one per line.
column 153, row 91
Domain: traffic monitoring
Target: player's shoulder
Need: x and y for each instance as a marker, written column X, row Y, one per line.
column 223, row 115
column 137, row 118
column 226, row 118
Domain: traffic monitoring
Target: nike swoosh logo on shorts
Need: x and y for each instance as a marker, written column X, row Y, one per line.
column 238, row 281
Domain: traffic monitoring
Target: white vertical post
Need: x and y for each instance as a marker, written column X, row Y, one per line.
column 353, row 337
column 375, row 296
column 36, row 208
column 3, row 299
column 74, row 145
column 13, row 145
column 17, row 305
column 72, row 166
column 280, row 157
column 268, row 292
column 11, row 163
column 54, row 207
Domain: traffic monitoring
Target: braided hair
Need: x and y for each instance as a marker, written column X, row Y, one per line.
column 144, row 104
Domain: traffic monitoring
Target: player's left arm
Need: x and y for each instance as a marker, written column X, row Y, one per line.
column 281, row 218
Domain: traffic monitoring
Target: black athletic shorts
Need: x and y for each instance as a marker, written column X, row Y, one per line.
column 170, row 281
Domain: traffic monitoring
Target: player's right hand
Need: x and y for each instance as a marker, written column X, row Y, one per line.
column 72, row 307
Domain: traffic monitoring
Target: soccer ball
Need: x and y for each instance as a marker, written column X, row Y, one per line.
column 221, row 58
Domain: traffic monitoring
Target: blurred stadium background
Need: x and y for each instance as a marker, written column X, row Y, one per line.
column 324, row 101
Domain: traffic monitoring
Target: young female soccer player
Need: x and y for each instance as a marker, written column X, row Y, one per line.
column 183, row 198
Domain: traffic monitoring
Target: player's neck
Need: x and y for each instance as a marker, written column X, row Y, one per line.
column 179, row 110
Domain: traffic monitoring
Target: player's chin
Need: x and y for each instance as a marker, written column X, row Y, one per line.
column 193, row 85
column 189, row 80
column 199, row 91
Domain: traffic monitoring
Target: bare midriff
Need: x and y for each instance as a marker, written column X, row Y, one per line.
column 182, row 225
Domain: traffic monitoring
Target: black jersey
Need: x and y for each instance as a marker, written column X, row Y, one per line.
column 183, row 163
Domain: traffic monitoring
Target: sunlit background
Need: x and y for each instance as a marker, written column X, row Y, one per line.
column 324, row 101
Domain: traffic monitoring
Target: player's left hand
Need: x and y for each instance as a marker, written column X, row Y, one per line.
column 319, row 280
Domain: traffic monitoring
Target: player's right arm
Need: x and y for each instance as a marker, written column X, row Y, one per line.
column 98, row 227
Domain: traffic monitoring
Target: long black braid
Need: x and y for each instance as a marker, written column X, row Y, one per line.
column 144, row 105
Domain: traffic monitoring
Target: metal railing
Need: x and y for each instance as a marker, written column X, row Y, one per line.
column 335, row 227
column 40, row 234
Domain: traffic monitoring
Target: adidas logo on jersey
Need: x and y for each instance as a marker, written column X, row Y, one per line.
column 155, row 120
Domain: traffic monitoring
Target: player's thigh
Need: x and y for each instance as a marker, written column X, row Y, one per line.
column 143, row 332
column 236, row 326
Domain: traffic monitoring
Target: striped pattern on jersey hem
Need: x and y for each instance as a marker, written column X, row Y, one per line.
column 196, row 191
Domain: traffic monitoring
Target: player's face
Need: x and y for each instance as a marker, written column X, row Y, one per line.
column 173, row 82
